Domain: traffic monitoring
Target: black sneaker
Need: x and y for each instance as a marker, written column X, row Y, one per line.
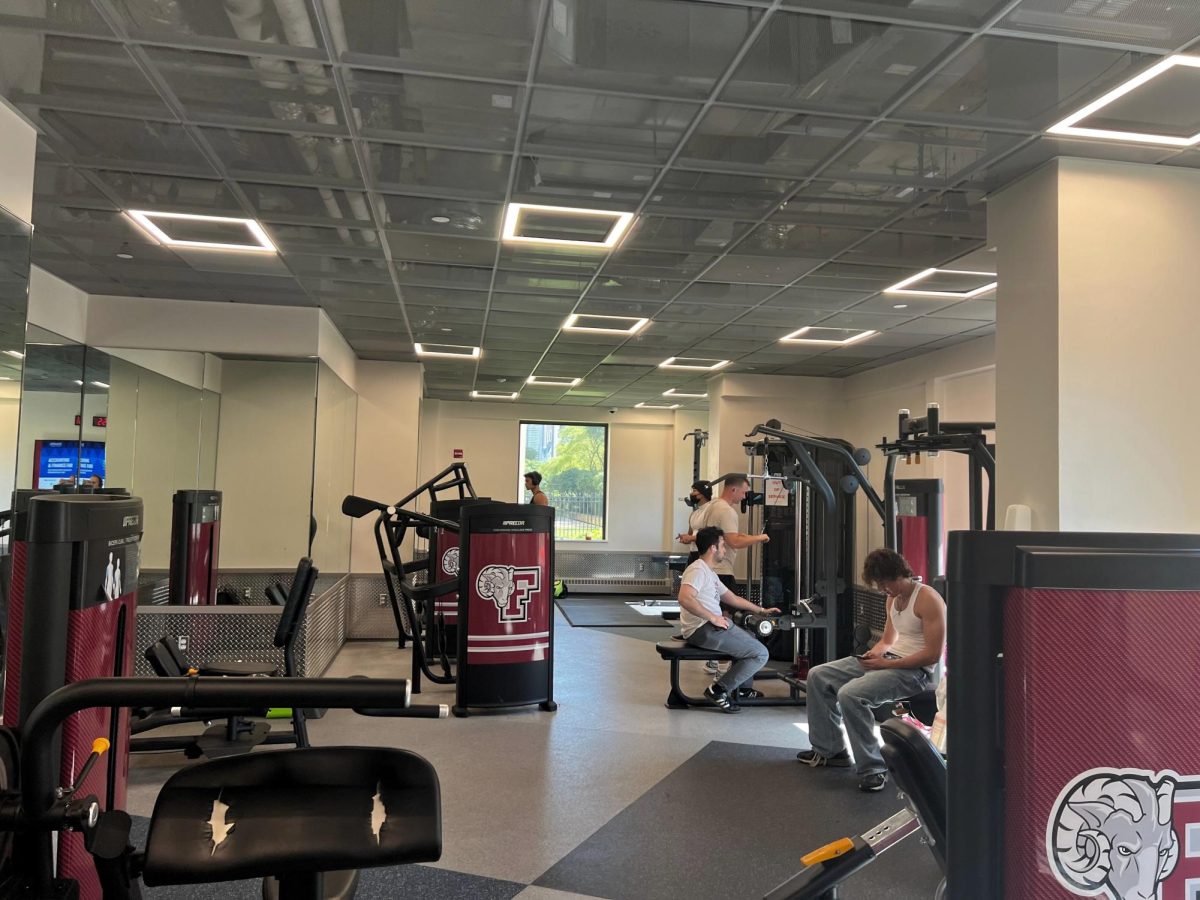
column 815, row 759
column 720, row 698
column 873, row 783
column 748, row 694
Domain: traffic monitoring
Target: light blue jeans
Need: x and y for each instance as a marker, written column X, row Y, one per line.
column 748, row 652
column 843, row 691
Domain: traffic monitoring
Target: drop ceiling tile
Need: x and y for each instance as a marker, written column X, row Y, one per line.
column 655, row 46
column 841, row 276
column 537, row 308
column 683, row 192
column 954, row 212
column 605, row 126
column 935, row 326
column 405, row 168
column 983, row 310
column 842, row 65
column 890, row 304
column 132, row 142
column 805, row 296
column 760, row 269
column 783, row 320
column 452, row 250
column 691, row 235
column 773, row 142
column 714, row 292
column 1144, row 22
column 611, row 286
column 855, row 319
column 698, row 315
column 459, row 218
column 452, row 278
column 916, row 250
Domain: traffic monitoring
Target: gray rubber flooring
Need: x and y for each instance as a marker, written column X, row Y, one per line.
column 733, row 821
column 607, row 612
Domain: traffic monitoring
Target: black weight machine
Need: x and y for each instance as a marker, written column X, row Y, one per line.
column 932, row 436
column 412, row 603
column 700, row 438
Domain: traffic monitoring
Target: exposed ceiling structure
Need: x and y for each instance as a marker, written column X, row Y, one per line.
column 784, row 162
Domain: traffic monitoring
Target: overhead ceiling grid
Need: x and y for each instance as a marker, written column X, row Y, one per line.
column 550, row 199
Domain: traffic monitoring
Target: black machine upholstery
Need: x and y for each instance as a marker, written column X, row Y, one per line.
column 920, row 772
column 675, row 649
column 292, row 813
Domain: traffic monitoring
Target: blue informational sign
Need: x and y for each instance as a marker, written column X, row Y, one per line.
column 59, row 461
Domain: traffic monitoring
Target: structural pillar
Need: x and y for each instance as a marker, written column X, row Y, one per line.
column 1097, row 339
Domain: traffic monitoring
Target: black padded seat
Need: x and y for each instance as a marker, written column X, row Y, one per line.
column 920, row 771
column 239, row 668
column 294, row 812
column 684, row 650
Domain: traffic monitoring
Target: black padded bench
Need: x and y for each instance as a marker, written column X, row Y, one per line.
column 676, row 651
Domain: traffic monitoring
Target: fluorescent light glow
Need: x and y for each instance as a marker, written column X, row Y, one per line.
column 691, row 362
column 797, row 337
column 78, row 382
column 655, row 406
column 100, row 384
column 16, row 354
column 904, row 286
column 551, row 381
column 674, row 393
column 145, row 220
column 1069, row 127
column 571, row 324
column 494, row 395
column 450, row 350
column 512, row 224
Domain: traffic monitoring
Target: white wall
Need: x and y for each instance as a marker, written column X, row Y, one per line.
column 641, row 481
column 265, row 462
column 45, row 416
column 386, row 444
column 18, row 143
column 333, row 471
column 961, row 379
column 57, row 306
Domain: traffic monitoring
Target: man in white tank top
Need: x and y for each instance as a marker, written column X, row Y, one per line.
column 902, row 664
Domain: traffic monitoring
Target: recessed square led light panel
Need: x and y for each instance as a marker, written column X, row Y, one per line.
column 694, row 363
column 198, row 232
column 954, row 284
column 587, row 322
column 674, row 393
column 564, row 226
column 829, row 337
column 494, row 395
column 1158, row 106
column 551, row 381
column 451, row 351
column 655, row 406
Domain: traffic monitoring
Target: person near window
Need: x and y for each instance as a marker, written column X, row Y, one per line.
column 533, row 483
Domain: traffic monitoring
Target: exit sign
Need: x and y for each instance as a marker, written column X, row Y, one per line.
column 458, row 454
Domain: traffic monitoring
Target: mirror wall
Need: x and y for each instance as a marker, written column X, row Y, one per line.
column 333, row 470
column 15, row 239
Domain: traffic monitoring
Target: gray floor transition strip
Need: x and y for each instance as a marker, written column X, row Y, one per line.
column 733, row 821
column 425, row 882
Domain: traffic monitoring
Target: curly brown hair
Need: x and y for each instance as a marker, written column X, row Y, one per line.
column 885, row 565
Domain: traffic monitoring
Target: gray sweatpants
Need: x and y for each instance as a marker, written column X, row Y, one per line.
column 748, row 652
column 843, row 691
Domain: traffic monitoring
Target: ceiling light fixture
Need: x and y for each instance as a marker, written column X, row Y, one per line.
column 900, row 306
column 692, row 362
column 552, row 381
column 78, row 382
column 494, row 395
column 572, row 323
column 514, row 215
column 124, row 253
column 440, row 220
column 16, row 354
column 655, row 406
column 797, row 337
column 674, row 393
column 100, row 384
column 905, row 285
column 448, row 350
column 145, row 220
column 1069, row 126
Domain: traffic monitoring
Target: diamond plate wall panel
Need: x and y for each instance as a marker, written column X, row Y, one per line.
column 613, row 571
column 366, row 617
column 221, row 633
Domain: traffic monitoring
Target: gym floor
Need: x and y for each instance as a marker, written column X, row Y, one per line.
column 613, row 796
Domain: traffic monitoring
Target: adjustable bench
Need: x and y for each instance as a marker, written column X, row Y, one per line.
column 675, row 651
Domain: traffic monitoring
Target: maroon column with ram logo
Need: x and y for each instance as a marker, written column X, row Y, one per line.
column 444, row 559
column 74, row 593
column 505, row 607
column 1073, row 767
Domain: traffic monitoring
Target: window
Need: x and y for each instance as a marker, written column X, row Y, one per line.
column 573, row 462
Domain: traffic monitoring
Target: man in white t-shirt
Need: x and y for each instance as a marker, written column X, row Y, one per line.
column 723, row 513
column 701, row 595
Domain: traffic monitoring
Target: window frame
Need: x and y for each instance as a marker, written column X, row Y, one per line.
column 521, row 423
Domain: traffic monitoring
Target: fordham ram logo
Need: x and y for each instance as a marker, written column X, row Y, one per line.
column 450, row 561
column 510, row 588
column 1110, row 833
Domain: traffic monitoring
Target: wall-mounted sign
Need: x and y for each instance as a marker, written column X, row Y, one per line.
column 458, row 454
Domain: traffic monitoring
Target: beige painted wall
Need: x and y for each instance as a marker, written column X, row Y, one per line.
column 386, row 444
column 1023, row 225
column 265, row 462
column 1128, row 324
column 45, row 415
column 333, row 471
column 18, row 141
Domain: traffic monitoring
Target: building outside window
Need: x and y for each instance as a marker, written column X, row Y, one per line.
column 573, row 460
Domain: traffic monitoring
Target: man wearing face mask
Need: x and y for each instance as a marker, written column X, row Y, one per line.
column 698, row 498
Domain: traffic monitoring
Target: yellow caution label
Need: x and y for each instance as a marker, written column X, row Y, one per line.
column 829, row 851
